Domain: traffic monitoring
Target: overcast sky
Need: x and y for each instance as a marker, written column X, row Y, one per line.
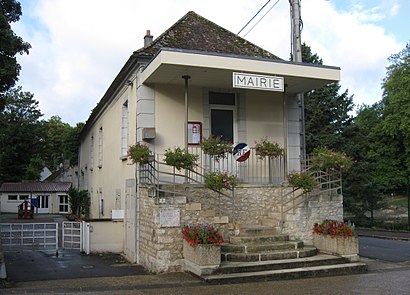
column 79, row 46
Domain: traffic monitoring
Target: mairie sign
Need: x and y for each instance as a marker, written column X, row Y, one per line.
column 261, row 82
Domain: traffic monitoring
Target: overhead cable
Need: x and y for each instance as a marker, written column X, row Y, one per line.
column 253, row 17
column 261, row 18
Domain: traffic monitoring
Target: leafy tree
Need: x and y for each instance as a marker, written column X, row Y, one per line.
column 72, row 142
column 56, row 132
column 10, row 45
column 326, row 111
column 396, row 113
column 61, row 142
column 362, row 191
column 79, row 202
column 21, row 134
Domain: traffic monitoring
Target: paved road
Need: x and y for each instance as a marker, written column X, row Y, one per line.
column 383, row 279
column 383, row 249
column 110, row 277
column 27, row 266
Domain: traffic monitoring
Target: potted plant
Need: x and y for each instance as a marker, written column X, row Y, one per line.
column 336, row 237
column 302, row 180
column 216, row 147
column 265, row 148
column 180, row 158
column 220, row 180
column 324, row 158
column 202, row 244
column 139, row 153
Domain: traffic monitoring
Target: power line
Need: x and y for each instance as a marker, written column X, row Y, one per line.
column 261, row 18
column 253, row 17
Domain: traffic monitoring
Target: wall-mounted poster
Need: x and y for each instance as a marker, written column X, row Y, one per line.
column 194, row 133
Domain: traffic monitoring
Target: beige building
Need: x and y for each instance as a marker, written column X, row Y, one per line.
column 47, row 197
column 194, row 80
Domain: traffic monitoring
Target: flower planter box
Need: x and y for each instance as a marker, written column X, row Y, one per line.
column 345, row 247
column 202, row 255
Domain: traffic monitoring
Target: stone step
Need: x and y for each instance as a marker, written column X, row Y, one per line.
column 273, row 255
column 240, row 267
column 270, row 222
column 274, row 215
column 293, row 273
column 257, row 230
column 261, row 248
column 258, row 239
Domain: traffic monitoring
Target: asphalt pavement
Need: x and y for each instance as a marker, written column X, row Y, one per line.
column 108, row 275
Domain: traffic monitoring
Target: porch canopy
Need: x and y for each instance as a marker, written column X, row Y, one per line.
column 215, row 70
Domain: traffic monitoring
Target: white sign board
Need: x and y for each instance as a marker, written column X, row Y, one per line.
column 260, row 82
column 170, row 217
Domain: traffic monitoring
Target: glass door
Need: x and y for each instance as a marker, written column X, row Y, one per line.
column 43, row 204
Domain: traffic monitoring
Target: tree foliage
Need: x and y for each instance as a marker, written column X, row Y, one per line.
column 379, row 140
column 396, row 101
column 10, row 45
column 61, row 142
column 21, row 135
column 326, row 111
column 79, row 202
column 28, row 144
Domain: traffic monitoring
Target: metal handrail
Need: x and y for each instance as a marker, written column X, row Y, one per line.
column 327, row 182
column 154, row 171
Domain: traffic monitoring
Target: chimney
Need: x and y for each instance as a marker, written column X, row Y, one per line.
column 148, row 39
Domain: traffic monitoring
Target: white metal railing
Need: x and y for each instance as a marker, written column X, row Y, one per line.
column 29, row 236
column 255, row 170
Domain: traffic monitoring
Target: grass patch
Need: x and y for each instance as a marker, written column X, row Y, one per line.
column 399, row 202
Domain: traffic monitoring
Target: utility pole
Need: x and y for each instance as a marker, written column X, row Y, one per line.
column 297, row 57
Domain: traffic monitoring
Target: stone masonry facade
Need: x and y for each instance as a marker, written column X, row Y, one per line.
column 163, row 215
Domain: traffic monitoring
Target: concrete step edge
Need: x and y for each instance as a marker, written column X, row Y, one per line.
column 285, row 271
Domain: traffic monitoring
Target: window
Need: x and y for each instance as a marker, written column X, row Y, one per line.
column 223, row 119
column 222, row 98
column 92, row 153
column 124, row 129
column 100, row 147
column 12, row 197
column 63, row 203
column 23, row 197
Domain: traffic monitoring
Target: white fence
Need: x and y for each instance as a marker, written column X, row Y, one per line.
column 72, row 235
column 29, row 236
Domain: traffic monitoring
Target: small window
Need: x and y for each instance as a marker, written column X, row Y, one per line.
column 222, row 98
column 63, row 203
column 23, row 197
column 12, row 197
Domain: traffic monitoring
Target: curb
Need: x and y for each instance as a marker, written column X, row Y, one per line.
column 378, row 236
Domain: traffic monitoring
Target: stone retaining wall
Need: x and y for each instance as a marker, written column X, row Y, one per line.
column 161, row 217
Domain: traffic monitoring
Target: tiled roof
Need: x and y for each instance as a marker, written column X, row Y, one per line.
column 194, row 32
column 44, row 187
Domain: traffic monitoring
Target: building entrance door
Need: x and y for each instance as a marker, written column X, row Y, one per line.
column 223, row 123
column 43, row 204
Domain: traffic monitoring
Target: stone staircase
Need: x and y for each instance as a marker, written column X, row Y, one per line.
column 258, row 253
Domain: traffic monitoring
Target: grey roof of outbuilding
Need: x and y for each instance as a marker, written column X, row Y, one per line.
column 44, row 187
column 194, row 32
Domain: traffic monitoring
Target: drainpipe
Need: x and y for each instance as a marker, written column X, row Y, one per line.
column 186, row 78
column 285, row 135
